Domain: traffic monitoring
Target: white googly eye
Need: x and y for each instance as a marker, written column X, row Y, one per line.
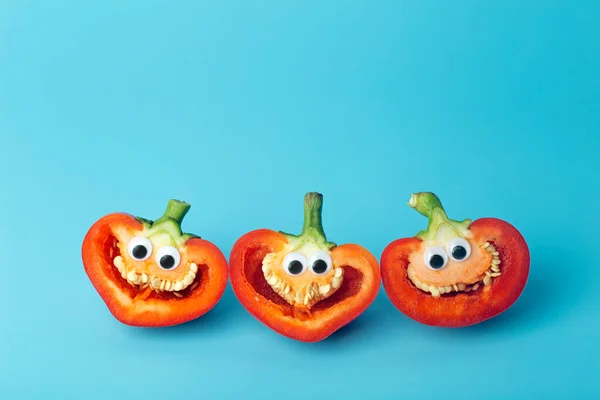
column 168, row 257
column 139, row 248
column 436, row 258
column 295, row 263
column 458, row 249
column 320, row 262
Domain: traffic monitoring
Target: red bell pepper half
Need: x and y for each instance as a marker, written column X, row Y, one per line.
column 455, row 273
column 303, row 287
column 150, row 273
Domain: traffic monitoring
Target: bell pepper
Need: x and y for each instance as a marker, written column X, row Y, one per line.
column 455, row 273
column 150, row 273
column 303, row 287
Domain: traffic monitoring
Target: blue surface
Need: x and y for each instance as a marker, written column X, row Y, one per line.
column 240, row 108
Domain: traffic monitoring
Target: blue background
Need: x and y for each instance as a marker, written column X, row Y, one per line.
column 240, row 108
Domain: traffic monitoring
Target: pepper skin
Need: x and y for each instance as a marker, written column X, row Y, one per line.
column 150, row 273
column 303, row 287
column 455, row 274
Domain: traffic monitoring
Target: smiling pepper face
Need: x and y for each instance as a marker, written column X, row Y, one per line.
column 156, row 258
column 303, row 273
column 303, row 286
column 150, row 273
column 455, row 273
column 449, row 258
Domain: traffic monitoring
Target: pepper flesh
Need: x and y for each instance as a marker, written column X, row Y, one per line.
column 139, row 303
column 456, row 308
column 303, row 322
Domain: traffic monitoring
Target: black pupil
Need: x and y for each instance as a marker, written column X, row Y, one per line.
column 167, row 261
column 436, row 261
column 320, row 266
column 140, row 251
column 459, row 252
column 295, row 267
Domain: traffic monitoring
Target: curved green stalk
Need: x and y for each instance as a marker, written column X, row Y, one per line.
column 170, row 222
column 429, row 205
column 176, row 211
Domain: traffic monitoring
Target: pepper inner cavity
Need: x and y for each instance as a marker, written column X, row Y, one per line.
column 483, row 280
column 301, row 291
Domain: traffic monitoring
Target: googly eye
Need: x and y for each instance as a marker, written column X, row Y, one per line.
column 320, row 262
column 436, row 258
column 295, row 263
column 139, row 248
column 168, row 257
column 458, row 249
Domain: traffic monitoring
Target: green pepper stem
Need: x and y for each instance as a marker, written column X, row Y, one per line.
column 312, row 230
column 176, row 210
column 313, row 208
column 429, row 205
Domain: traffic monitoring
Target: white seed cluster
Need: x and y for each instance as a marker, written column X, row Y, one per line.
column 306, row 296
column 144, row 280
column 492, row 272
